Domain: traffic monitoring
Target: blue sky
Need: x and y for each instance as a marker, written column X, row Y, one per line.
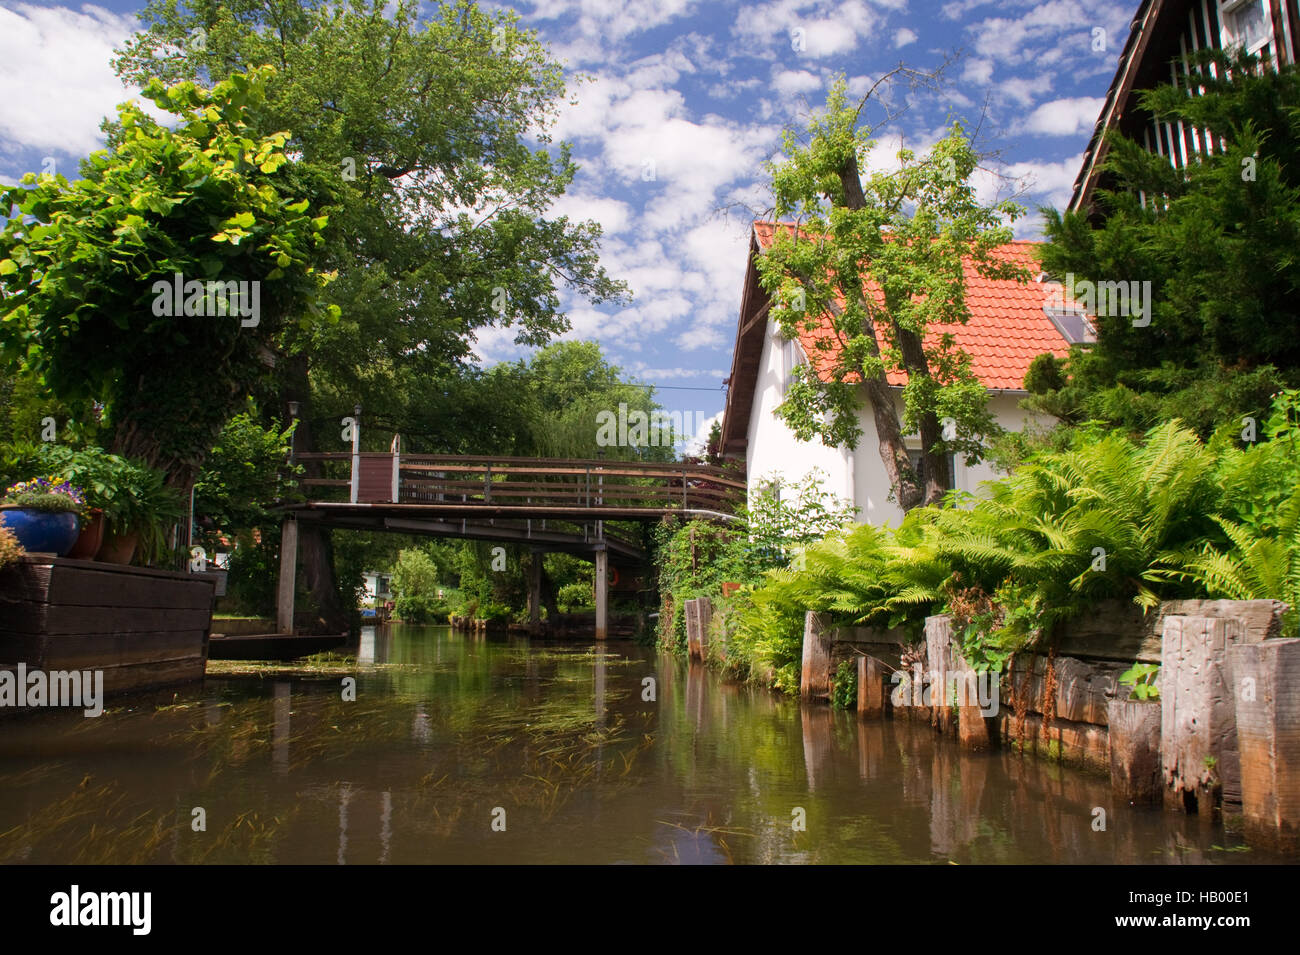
column 684, row 103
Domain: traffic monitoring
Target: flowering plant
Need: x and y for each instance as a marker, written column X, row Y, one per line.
column 52, row 494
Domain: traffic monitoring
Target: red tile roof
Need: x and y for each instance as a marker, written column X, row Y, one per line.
column 1007, row 328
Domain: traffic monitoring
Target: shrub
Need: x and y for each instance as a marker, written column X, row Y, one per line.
column 10, row 549
column 421, row 608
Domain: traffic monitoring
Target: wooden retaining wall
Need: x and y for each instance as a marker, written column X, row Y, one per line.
column 141, row 627
column 1092, row 651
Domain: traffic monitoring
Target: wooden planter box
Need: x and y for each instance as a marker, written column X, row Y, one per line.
column 141, row 627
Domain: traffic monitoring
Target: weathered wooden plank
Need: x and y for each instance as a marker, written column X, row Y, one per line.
column 86, row 651
column 1134, row 733
column 1198, row 721
column 88, row 583
column 59, row 619
column 939, row 661
column 1263, row 678
column 1118, row 630
column 815, row 672
column 871, row 688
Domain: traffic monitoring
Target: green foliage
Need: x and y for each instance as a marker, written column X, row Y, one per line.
column 81, row 265
column 132, row 495
column 844, row 686
column 557, row 398
column 1215, row 240
column 414, row 575
column 1260, row 558
column 696, row 558
column 881, row 260
column 575, row 597
column 431, row 125
column 253, row 573
column 421, row 608
column 1071, row 528
column 1141, row 678
column 1108, row 518
column 243, row 475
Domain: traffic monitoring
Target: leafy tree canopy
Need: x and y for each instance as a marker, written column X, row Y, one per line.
column 881, row 255
column 1217, row 242
column 96, row 275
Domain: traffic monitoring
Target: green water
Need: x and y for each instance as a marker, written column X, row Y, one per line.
column 461, row 748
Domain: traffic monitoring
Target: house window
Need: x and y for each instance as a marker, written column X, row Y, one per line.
column 1072, row 323
column 1246, row 23
column 791, row 357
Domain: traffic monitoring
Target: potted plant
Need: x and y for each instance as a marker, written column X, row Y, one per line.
column 139, row 509
column 129, row 510
column 44, row 514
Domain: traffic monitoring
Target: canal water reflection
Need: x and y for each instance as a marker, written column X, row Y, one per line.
column 463, row 748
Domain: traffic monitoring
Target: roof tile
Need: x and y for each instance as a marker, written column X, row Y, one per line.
column 1007, row 328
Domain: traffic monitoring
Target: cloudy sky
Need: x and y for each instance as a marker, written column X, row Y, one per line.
column 683, row 104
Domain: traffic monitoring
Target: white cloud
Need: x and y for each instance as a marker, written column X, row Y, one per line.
column 1065, row 117
column 699, row 442
column 789, row 83
column 903, row 37
column 978, row 70
column 56, row 84
column 1023, row 89
column 612, row 214
column 806, row 28
column 614, row 19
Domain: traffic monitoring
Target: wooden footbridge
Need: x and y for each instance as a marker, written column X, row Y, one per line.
column 550, row 504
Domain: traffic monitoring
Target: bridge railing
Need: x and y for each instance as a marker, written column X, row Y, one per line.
column 489, row 482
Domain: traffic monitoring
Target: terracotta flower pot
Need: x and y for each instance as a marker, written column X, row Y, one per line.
column 92, row 536
column 118, row 548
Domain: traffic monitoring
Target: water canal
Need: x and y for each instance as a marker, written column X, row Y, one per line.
column 462, row 748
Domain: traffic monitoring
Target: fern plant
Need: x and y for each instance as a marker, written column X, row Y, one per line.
column 1255, row 566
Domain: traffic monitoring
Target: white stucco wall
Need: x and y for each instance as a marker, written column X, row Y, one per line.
column 772, row 449
column 857, row 476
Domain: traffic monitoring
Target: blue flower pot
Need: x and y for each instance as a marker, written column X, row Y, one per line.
column 42, row 532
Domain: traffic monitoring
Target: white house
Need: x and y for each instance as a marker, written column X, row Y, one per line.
column 1010, row 324
column 378, row 587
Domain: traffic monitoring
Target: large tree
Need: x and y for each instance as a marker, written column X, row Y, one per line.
column 1217, row 241
column 879, row 258
column 158, row 284
column 434, row 129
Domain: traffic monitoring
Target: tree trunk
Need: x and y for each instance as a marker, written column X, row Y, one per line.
column 315, row 549
column 893, row 449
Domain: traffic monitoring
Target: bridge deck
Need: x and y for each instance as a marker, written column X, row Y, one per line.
column 461, row 486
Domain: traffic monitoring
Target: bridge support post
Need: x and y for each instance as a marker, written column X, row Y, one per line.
column 288, row 575
column 535, row 591
column 602, row 594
